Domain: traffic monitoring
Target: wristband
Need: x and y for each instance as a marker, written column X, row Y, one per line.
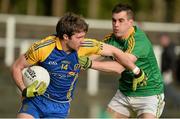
column 24, row 92
column 139, row 74
column 136, row 70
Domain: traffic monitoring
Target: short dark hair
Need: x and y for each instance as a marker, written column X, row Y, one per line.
column 124, row 7
column 69, row 24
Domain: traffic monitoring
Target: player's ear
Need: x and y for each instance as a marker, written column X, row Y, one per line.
column 131, row 22
column 65, row 37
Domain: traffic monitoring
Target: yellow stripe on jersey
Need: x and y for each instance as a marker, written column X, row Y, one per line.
column 43, row 44
column 107, row 37
column 87, row 43
column 40, row 50
column 130, row 32
column 89, row 47
column 131, row 44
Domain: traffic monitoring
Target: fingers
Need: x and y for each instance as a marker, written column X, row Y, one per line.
column 34, row 84
column 85, row 62
column 41, row 88
column 34, row 90
column 134, row 85
column 137, row 83
column 143, row 83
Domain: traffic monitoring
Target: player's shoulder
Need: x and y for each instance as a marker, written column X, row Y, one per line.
column 140, row 37
column 90, row 40
column 107, row 37
column 45, row 42
column 139, row 33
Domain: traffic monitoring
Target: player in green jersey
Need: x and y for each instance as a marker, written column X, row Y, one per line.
column 146, row 101
column 133, row 100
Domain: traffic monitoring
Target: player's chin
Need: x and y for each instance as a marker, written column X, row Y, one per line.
column 118, row 34
column 115, row 32
column 76, row 48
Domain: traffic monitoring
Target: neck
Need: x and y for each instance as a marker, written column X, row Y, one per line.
column 65, row 47
column 128, row 33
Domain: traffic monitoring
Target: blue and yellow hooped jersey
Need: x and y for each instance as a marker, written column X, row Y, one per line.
column 62, row 67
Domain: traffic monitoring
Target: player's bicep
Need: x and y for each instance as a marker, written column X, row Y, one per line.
column 20, row 63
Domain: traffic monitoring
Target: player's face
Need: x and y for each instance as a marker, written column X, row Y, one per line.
column 121, row 23
column 75, row 40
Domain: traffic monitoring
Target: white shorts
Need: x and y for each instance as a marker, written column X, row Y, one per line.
column 135, row 106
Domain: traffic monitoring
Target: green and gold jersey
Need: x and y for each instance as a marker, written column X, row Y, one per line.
column 139, row 45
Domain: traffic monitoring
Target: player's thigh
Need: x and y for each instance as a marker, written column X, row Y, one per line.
column 147, row 115
column 114, row 114
column 24, row 116
column 119, row 106
column 149, row 106
column 56, row 110
column 28, row 109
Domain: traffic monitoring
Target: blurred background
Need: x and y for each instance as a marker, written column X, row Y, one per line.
column 25, row 21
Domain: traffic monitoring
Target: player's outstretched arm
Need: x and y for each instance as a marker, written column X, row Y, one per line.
column 121, row 57
column 124, row 59
column 92, row 46
column 106, row 66
column 128, row 61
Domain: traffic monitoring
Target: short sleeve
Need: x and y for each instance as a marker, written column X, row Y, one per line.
column 89, row 47
column 32, row 55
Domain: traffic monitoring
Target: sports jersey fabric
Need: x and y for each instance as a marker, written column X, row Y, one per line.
column 62, row 67
column 138, row 44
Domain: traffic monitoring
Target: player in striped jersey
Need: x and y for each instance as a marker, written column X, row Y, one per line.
column 59, row 55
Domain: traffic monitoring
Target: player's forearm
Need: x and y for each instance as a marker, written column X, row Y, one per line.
column 108, row 66
column 17, row 77
column 124, row 59
column 17, row 68
column 128, row 61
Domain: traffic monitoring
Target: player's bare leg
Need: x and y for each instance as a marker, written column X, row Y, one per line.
column 147, row 115
column 24, row 116
column 115, row 114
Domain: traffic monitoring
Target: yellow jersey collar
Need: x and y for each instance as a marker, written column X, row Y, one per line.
column 130, row 31
column 58, row 43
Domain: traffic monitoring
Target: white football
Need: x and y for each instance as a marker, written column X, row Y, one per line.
column 33, row 73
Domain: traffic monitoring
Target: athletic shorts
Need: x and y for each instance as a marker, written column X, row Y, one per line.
column 42, row 107
column 135, row 106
